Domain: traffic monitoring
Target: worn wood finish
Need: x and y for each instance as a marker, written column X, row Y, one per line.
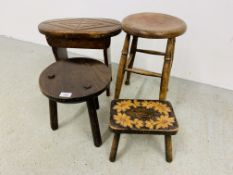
column 166, row 69
column 67, row 76
column 151, row 52
column 114, row 148
column 85, row 33
column 143, row 72
column 80, row 28
column 131, row 58
column 107, row 61
column 121, row 67
column 91, row 105
column 53, row 114
column 168, row 147
column 153, row 25
column 134, row 116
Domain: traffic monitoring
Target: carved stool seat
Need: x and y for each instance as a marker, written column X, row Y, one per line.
column 142, row 117
column 87, row 33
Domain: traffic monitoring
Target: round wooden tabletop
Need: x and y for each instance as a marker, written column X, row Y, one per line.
column 153, row 25
column 74, row 80
column 80, row 27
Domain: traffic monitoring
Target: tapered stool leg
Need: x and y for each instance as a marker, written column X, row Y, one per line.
column 131, row 58
column 121, row 67
column 53, row 114
column 166, row 69
column 94, row 122
column 168, row 147
column 114, row 148
column 107, row 61
column 60, row 53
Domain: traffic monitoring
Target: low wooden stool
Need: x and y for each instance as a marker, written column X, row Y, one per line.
column 151, row 26
column 75, row 80
column 86, row 33
column 142, row 117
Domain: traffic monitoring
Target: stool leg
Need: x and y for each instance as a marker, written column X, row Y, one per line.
column 53, row 114
column 97, row 106
column 60, row 53
column 121, row 67
column 94, row 122
column 166, row 69
column 115, row 143
column 131, row 58
column 107, row 61
column 168, row 147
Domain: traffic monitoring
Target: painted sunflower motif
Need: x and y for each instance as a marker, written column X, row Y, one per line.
column 150, row 124
column 123, row 120
column 148, row 104
column 123, row 105
column 135, row 103
column 164, row 121
column 162, row 108
column 138, row 123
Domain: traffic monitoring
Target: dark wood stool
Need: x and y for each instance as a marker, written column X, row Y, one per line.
column 153, row 26
column 142, row 117
column 73, row 81
column 87, row 33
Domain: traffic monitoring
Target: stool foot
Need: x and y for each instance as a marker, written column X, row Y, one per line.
column 168, row 147
column 94, row 122
column 114, row 148
column 53, row 114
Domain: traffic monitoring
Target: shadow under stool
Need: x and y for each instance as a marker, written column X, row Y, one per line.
column 150, row 26
column 85, row 33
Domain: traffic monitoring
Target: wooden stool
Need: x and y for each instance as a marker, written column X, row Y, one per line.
column 63, row 82
column 87, row 33
column 142, row 117
column 153, row 26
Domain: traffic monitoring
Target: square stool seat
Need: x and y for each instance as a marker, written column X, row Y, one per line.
column 143, row 116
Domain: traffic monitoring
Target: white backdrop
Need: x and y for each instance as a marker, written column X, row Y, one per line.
column 203, row 54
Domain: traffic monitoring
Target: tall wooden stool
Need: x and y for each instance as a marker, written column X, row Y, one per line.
column 142, row 117
column 86, row 33
column 152, row 26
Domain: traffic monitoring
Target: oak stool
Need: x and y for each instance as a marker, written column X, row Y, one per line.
column 150, row 26
column 64, row 82
column 134, row 116
column 86, row 33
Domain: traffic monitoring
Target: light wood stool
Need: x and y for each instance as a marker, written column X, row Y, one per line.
column 152, row 26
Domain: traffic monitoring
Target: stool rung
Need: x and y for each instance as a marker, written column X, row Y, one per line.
column 152, row 52
column 144, row 72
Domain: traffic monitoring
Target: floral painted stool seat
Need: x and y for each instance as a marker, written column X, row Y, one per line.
column 142, row 117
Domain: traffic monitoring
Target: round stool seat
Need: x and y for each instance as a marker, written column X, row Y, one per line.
column 80, row 28
column 74, row 80
column 153, row 25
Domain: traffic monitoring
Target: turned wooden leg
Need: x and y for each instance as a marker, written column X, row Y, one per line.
column 107, row 61
column 97, row 106
column 94, row 122
column 168, row 147
column 166, row 69
column 131, row 58
column 53, row 114
column 121, row 67
column 60, row 53
column 115, row 143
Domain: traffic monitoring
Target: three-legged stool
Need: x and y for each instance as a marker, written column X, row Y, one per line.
column 151, row 26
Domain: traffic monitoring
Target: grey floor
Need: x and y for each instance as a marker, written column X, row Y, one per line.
column 204, row 144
